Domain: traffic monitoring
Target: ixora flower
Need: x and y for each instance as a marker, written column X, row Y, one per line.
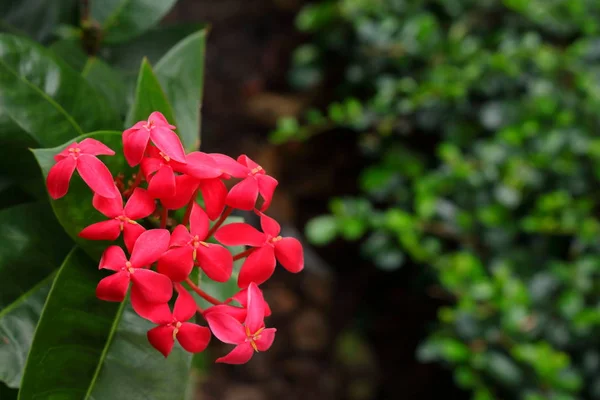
column 82, row 157
column 187, row 247
column 148, row 286
column 157, row 129
column 173, row 325
column 269, row 248
column 122, row 219
column 254, row 181
column 238, row 313
column 248, row 337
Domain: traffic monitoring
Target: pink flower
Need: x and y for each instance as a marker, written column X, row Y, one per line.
column 187, row 247
column 270, row 247
column 148, row 286
column 159, row 171
column 238, row 313
column 250, row 337
column 192, row 337
column 139, row 206
column 157, row 129
column 254, row 181
column 82, row 157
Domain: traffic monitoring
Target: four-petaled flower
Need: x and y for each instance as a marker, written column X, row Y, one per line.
column 254, row 181
column 238, row 313
column 250, row 337
column 260, row 264
column 187, row 247
column 82, row 156
column 122, row 219
column 193, row 338
column 159, row 171
column 148, row 286
column 157, row 129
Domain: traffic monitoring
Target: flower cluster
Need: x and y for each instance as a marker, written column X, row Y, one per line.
column 159, row 259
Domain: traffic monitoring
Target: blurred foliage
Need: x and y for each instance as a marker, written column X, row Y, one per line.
column 480, row 119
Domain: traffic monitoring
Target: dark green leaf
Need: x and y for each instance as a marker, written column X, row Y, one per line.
column 11, row 194
column 149, row 97
column 106, row 81
column 75, row 211
column 71, row 51
column 125, row 19
column 181, row 73
column 7, row 393
column 96, row 350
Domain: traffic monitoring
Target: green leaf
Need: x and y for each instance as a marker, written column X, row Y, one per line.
column 33, row 246
column 45, row 97
column 122, row 20
column 181, row 73
column 149, row 97
column 322, row 229
column 106, row 81
column 71, row 51
column 85, row 348
column 7, row 393
column 75, row 211
column 37, row 18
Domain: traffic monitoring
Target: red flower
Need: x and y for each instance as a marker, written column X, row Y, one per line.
column 148, row 286
column 238, row 313
column 93, row 172
column 192, row 337
column 159, row 171
column 139, row 206
column 260, row 264
column 157, row 129
column 186, row 248
column 213, row 192
column 245, row 193
column 249, row 337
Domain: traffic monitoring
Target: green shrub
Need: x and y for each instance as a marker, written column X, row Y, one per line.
column 481, row 120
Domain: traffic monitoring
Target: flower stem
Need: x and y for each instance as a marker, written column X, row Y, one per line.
column 164, row 215
column 201, row 292
column 135, row 184
column 219, row 222
column 244, row 253
column 188, row 210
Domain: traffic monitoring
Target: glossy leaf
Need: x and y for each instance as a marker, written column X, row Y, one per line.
column 181, row 73
column 106, row 81
column 149, row 97
column 122, row 20
column 45, row 97
column 85, row 348
column 75, row 211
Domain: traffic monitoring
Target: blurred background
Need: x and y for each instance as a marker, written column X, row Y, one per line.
column 440, row 160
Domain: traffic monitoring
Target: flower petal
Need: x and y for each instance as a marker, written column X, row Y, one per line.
column 176, row 263
column 105, row 230
column 131, row 233
column 150, row 165
column 162, row 184
column 239, row 233
column 161, row 338
column 229, row 166
column 159, row 313
column 247, row 161
column 202, row 166
column 214, row 193
column 258, row 267
column 180, row 236
column 242, row 298
column 289, row 253
column 185, row 305
column 139, row 205
column 113, row 258
column 109, row 207
column 59, row 177
column 168, row 142
column 198, row 222
column 255, row 317
column 239, row 355
column 149, row 247
column 226, row 328
column 216, row 261
column 113, row 287
column 236, row 312
column 97, row 176
column 185, row 187
column 95, row 147
column 266, row 188
column 135, row 141
column 193, row 338
column 243, row 195
column 159, row 119
column 153, row 287
column 266, row 339
column 269, row 225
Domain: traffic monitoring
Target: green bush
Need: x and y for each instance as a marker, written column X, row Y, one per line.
column 481, row 120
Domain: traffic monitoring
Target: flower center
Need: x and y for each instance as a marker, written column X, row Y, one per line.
column 149, row 125
column 74, row 151
column 176, row 330
column 253, row 337
column 196, row 242
column 275, row 239
column 129, row 268
column 123, row 220
column 256, row 170
column 164, row 156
